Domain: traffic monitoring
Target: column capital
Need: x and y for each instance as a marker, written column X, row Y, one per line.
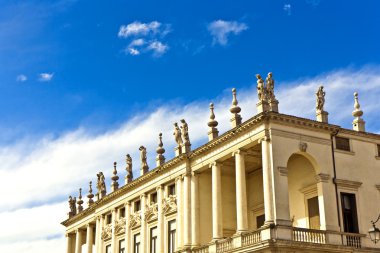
column 128, row 203
column 159, row 187
column 179, row 178
column 89, row 225
column 239, row 152
column 142, row 196
column 195, row 174
column 215, row 163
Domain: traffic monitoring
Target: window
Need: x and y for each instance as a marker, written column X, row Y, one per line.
column 109, row 219
column 313, row 212
column 378, row 150
column 171, row 189
column 350, row 218
column 136, row 243
column 171, row 236
column 121, row 246
column 153, row 198
column 137, row 205
column 108, row 249
column 342, row 143
column 122, row 213
column 260, row 220
column 153, row 240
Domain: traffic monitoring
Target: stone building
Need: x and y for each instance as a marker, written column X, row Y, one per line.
column 272, row 183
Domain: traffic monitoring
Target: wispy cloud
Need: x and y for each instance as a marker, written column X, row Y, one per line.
column 21, row 78
column 143, row 29
column 220, row 30
column 288, row 9
column 50, row 169
column 45, row 77
column 158, row 48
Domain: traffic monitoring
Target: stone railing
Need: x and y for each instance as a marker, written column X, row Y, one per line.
column 224, row 245
column 309, row 235
column 352, row 240
column 251, row 238
column 202, row 249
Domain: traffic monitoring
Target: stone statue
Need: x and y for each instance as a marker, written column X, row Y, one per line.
column 101, row 185
column 185, row 132
column 320, row 99
column 72, row 205
column 260, row 88
column 144, row 164
column 177, row 135
column 129, row 168
column 270, row 86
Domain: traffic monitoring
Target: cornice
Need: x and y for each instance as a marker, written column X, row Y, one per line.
column 354, row 185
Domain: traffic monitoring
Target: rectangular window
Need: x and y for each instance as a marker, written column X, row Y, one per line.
column 350, row 218
column 260, row 220
column 342, row 143
column 109, row 219
column 171, row 189
column 108, row 249
column 136, row 243
column 121, row 246
column 313, row 209
column 122, row 213
column 153, row 240
column 137, row 206
column 153, row 198
column 378, row 150
column 171, row 236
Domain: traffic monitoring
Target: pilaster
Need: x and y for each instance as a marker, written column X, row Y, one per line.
column 187, row 212
column 127, row 237
column 217, row 218
column 179, row 212
column 90, row 238
column 113, row 236
column 78, row 241
column 241, row 192
column 194, row 210
column 69, row 243
column 160, row 219
column 143, row 224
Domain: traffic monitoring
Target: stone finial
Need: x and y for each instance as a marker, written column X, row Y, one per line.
column 160, row 159
column 358, row 123
column 128, row 168
column 322, row 116
column 178, row 139
column 212, row 124
column 144, row 165
column 101, row 186
column 235, row 109
column 186, row 146
column 80, row 201
column 72, row 205
column 114, row 178
column 90, row 195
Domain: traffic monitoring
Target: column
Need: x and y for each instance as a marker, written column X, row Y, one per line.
column 217, row 218
column 187, row 208
column 160, row 219
column 98, row 232
column 127, row 237
column 69, row 242
column 241, row 192
column 78, row 241
column 267, row 181
column 194, row 210
column 143, row 244
column 90, row 237
column 179, row 211
column 113, row 235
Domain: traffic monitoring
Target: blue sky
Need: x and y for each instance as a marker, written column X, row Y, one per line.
column 83, row 82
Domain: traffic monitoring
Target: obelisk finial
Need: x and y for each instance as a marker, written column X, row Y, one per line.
column 80, row 201
column 235, row 109
column 115, row 177
column 160, row 159
column 212, row 123
column 90, row 195
column 358, row 123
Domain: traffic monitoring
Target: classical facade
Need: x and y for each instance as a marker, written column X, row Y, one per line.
column 272, row 183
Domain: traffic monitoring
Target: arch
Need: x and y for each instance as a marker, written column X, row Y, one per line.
column 310, row 158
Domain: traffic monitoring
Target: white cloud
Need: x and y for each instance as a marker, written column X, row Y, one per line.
column 221, row 30
column 45, row 77
column 288, row 9
column 21, row 78
column 133, row 51
column 47, row 170
column 158, row 48
column 137, row 28
column 137, row 42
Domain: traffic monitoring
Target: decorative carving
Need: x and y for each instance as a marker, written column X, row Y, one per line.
column 120, row 226
column 80, row 201
column 302, row 146
column 169, row 204
column 101, row 185
column 261, row 91
column 72, row 206
column 144, row 164
column 106, row 232
column 320, row 94
column 185, row 132
column 151, row 212
column 135, row 219
column 177, row 135
column 128, row 168
column 270, row 87
column 90, row 195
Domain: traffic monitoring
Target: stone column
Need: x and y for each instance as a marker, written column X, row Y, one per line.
column 194, row 210
column 179, row 212
column 241, row 192
column 143, row 244
column 90, row 237
column 217, row 218
column 127, row 237
column 69, row 243
column 267, row 181
column 113, row 235
column 160, row 219
column 78, row 241
column 187, row 212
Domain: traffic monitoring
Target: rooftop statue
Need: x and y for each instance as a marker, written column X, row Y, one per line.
column 185, row 132
column 144, row 164
column 129, row 168
column 261, row 93
column 72, row 205
column 320, row 99
column 177, row 135
column 101, row 185
column 270, row 87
